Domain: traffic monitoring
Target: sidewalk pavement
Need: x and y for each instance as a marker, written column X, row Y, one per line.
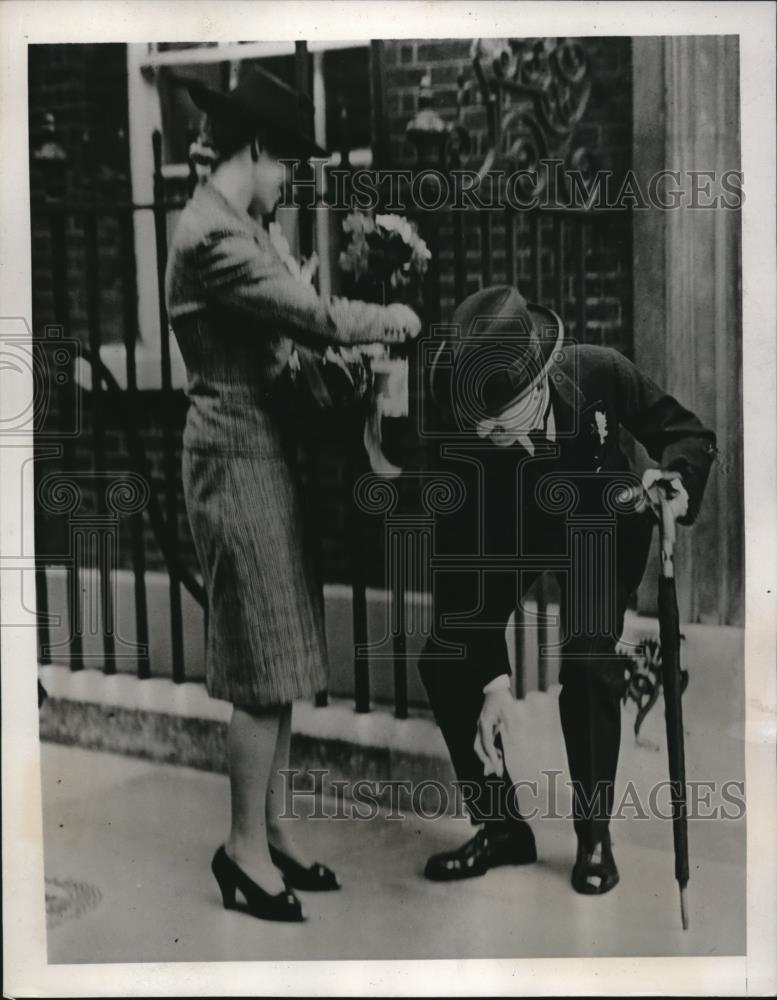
column 128, row 846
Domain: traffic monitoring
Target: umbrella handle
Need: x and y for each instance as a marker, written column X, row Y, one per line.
column 656, row 499
column 668, row 536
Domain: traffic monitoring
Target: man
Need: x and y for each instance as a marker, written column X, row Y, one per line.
column 531, row 427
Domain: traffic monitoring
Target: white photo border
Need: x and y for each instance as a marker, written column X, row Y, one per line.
column 26, row 970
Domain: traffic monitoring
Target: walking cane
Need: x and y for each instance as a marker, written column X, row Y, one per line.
column 669, row 623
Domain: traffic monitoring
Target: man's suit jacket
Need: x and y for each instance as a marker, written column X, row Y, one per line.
column 511, row 496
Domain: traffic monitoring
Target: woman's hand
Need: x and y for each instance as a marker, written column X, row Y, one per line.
column 402, row 323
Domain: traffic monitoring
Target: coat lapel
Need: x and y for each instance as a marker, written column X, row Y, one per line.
column 569, row 403
column 581, row 424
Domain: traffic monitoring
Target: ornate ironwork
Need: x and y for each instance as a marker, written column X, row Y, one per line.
column 645, row 680
column 532, row 92
column 535, row 92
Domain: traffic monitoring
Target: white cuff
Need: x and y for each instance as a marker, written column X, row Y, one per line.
column 500, row 683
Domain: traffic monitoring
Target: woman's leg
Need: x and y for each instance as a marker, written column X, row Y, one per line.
column 280, row 832
column 252, row 745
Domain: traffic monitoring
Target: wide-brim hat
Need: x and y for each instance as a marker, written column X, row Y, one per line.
column 502, row 347
column 261, row 101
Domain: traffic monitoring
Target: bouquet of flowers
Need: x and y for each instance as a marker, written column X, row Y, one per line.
column 386, row 256
column 387, row 259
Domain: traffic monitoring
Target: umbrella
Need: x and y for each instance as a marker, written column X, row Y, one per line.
column 669, row 623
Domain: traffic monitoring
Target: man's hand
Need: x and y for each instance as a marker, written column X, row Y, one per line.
column 658, row 483
column 496, row 716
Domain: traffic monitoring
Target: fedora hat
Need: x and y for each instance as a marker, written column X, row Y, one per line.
column 503, row 349
column 261, row 101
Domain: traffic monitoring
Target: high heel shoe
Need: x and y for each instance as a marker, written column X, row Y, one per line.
column 231, row 877
column 317, row 878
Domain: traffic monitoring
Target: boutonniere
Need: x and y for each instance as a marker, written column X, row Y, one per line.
column 598, row 431
column 600, row 423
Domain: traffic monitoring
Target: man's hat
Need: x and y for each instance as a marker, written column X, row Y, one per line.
column 505, row 347
column 262, row 101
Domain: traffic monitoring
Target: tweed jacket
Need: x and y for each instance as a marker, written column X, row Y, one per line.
column 236, row 311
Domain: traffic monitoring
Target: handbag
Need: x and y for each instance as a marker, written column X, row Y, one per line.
column 323, row 394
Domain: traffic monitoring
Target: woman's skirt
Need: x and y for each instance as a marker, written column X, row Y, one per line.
column 266, row 642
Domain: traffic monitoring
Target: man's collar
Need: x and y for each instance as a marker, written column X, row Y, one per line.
column 567, row 399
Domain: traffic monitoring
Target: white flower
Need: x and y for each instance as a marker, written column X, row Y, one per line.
column 358, row 223
column 396, row 224
column 421, row 253
column 601, row 425
column 367, row 249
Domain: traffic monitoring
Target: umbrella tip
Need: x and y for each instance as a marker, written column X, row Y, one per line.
column 684, row 906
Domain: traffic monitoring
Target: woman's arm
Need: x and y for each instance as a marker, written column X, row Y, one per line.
column 237, row 272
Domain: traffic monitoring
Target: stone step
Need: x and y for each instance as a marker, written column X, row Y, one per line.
column 160, row 721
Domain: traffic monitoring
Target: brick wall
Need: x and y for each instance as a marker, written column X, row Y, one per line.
column 84, row 88
column 605, row 130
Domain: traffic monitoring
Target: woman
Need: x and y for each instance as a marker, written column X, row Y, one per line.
column 237, row 311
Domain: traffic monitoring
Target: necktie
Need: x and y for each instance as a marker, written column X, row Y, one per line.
column 539, row 435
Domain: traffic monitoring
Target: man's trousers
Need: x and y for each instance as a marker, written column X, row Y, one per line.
column 592, row 680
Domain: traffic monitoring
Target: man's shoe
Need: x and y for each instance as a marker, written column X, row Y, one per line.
column 595, row 872
column 487, row 849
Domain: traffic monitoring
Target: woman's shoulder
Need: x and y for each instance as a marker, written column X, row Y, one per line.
column 208, row 217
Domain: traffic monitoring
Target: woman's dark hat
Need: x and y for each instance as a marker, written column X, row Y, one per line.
column 504, row 347
column 262, row 101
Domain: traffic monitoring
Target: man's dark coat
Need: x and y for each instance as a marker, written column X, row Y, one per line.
column 524, row 514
